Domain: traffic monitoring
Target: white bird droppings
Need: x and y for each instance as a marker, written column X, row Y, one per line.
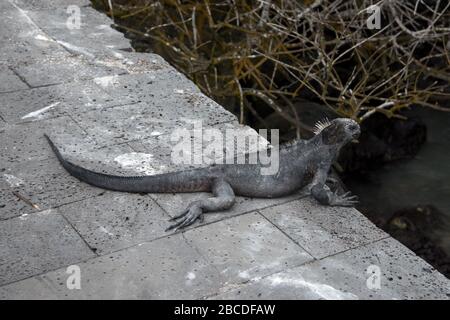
column 38, row 113
column 322, row 290
column 13, row 181
column 140, row 162
column 106, row 81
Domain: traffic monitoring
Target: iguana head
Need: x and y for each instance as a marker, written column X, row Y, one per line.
column 338, row 132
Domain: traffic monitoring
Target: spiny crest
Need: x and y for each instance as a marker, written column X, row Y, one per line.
column 320, row 125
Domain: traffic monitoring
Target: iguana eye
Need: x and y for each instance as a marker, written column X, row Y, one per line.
column 353, row 127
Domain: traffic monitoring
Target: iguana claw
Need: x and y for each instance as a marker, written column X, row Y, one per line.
column 187, row 217
column 344, row 200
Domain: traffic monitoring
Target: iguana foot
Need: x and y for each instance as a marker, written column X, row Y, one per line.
column 187, row 217
column 343, row 200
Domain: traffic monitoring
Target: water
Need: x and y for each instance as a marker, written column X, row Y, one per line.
column 419, row 181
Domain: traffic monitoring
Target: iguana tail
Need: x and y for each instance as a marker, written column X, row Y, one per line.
column 193, row 180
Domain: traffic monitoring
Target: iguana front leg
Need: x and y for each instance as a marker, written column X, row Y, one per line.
column 322, row 193
column 223, row 199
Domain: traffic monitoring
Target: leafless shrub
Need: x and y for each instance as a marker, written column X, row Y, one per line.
column 274, row 51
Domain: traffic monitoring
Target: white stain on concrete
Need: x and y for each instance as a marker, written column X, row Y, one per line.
column 250, row 273
column 179, row 91
column 117, row 55
column 13, row 181
column 191, row 276
column 244, row 274
column 43, row 38
column 75, row 49
column 155, row 133
column 324, row 291
column 103, row 229
column 47, row 212
column 106, row 81
column 102, row 26
column 38, row 113
column 139, row 162
column 112, row 63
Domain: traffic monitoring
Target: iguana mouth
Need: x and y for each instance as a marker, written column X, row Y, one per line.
column 355, row 137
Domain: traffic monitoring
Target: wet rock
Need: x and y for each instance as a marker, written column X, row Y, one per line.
column 383, row 140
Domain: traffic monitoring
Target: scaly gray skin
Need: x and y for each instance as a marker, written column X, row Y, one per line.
column 302, row 164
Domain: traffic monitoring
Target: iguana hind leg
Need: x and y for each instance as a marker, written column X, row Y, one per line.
column 223, row 199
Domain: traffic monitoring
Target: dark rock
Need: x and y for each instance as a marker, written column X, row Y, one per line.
column 383, row 140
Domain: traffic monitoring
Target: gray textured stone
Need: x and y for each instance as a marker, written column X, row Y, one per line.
column 142, row 120
column 124, row 123
column 9, row 81
column 175, row 203
column 57, row 18
column 116, row 220
column 10, row 205
column 161, row 147
column 91, row 42
column 13, row 24
column 54, row 101
column 138, row 62
column 37, row 243
column 19, row 52
column 131, row 62
column 23, row 43
column 245, row 247
column 25, row 142
column 49, row 4
column 345, row 276
column 323, row 230
column 116, row 159
column 45, row 73
column 163, row 269
column 167, row 89
column 46, row 184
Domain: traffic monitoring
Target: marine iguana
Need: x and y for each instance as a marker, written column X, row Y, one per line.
column 303, row 164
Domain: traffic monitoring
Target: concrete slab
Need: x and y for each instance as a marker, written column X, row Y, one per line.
column 163, row 269
column 46, row 184
column 92, row 38
column 170, row 92
column 68, row 70
column 245, row 247
column 9, row 81
column 10, row 204
column 140, row 63
column 14, row 23
column 323, row 230
column 345, row 276
column 49, row 4
column 25, row 142
column 124, row 122
column 38, row 243
column 131, row 62
column 175, row 203
column 116, row 220
column 22, row 41
column 163, row 147
column 54, row 101
column 19, row 52
column 59, row 18
column 141, row 120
